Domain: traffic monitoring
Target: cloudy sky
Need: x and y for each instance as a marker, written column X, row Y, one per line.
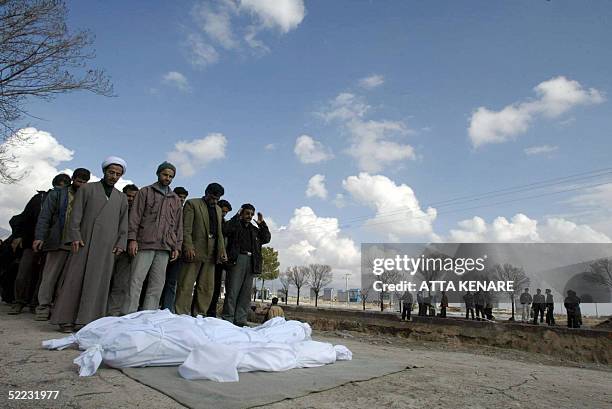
column 351, row 121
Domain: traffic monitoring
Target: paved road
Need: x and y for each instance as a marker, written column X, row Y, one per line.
column 444, row 377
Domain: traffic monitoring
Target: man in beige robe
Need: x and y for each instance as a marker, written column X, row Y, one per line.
column 97, row 232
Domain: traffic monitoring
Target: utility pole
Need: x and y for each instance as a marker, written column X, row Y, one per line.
column 346, row 276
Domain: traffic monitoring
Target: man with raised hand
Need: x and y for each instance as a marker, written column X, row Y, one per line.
column 203, row 248
column 98, row 231
column 155, row 235
column 51, row 238
column 244, row 241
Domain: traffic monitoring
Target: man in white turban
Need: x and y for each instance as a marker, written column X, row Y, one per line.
column 97, row 232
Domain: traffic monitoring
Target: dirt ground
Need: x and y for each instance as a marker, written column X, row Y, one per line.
column 440, row 376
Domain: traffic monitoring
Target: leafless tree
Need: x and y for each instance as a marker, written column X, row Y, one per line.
column 285, row 283
column 364, row 292
column 600, row 272
column 298, row 277
column 508, row 272
column 40, row 58
column 388, row 277
column 319, row 276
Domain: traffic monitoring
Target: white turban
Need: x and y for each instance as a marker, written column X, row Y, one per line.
column 114, row 160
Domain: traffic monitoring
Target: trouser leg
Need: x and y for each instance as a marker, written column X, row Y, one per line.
column 26, row 279
column 121, row 284
column 157, row 277
column 204, row 288
column 138, row 272
column 54, row 265
column 212, row 309
column 184, row 288
column 169, row 291
column 244, row 297
column 234, row 281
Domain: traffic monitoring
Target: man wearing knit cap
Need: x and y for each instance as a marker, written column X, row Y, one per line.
column 155, row 235
column 97, row 232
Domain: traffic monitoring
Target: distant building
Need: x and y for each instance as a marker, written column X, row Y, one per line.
column 328, row 294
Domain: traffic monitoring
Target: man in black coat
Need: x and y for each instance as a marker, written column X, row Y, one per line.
column 244, row 242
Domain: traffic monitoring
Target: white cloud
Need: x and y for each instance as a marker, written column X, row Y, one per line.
column 522, row 229
column 309, row 150
column 270, row 147
column 309, row 238
column 554, row 98
column 316, row 187
column 202, row 54
column 339, row 201
column 37, row 161
column 284, row 15
column 398, row 212
column 371, row 148
column 538, row 150
column 221, row 24
column 217, row 23
column 189, row 156
column 178, row 80
column 370, row 141
column 372, row 81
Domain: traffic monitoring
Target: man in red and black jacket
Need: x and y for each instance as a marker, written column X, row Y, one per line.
column 244, row 241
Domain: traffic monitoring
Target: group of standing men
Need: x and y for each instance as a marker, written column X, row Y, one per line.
column 108, row 252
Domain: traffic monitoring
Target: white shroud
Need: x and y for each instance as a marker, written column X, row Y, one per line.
column 205, row 348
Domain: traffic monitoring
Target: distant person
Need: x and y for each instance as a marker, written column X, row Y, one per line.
column 123, row 264
column 468, row 298
column 443, row 304
column 479, row 302
column 525, row 301
column 98, row 232
column 550, row 308
column 421, row 303
column 488, row 308
column 407, row 306
column 274, row 310
column 572, row 305
column 51, row 238
column 539, row 302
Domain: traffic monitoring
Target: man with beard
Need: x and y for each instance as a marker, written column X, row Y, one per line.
column 51, row 238
column 155, row 235
column 244, row 242
column 98, row 232
column 203, row 247
column 30, row 264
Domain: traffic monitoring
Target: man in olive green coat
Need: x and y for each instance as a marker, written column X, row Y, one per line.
column 203, row 247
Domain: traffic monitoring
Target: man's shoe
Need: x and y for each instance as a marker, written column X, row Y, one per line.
column 16, row 309
column 42, row 313
column 66, row 328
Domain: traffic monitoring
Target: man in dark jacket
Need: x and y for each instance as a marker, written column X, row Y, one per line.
column 244, row 242
column 538, row 306
column 50, row 237
column 550, row 308
column 443, row 304
column 155, row 235
column 30, row 264
column 468, row 298
column 406, row 305
column 525, row 301
column 572, row 305
column 479, row 302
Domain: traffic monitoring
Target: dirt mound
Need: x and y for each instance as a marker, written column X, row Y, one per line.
column 607, row 324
